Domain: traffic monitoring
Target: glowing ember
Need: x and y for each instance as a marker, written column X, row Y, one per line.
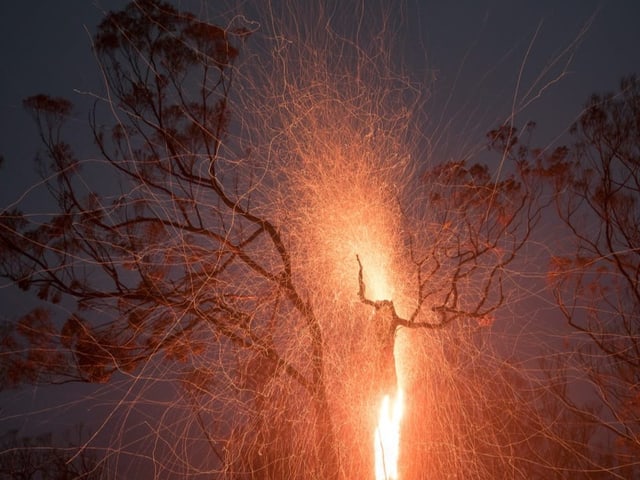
column 387, row 438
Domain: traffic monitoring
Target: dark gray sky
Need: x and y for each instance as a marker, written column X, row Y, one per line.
column 44, row 48
column 469, row 52
column 478, row 49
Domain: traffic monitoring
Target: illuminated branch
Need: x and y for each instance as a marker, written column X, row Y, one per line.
column 396, row 321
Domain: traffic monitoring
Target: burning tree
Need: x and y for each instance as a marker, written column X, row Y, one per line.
column 239, row 232
column 597, row 190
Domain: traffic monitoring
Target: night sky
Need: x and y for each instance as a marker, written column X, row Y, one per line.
column 468, row 54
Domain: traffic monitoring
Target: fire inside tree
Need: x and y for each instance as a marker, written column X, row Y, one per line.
column 386, row 322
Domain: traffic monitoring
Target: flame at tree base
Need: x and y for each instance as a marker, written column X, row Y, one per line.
column 387, row 437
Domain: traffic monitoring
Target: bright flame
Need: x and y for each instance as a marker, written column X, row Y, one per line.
column 377, row 262
column 387, row 438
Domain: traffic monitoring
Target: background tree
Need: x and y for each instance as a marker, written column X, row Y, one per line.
column 34, row 458
column 597, row 188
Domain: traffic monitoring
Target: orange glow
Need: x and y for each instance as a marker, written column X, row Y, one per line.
column 387, row 438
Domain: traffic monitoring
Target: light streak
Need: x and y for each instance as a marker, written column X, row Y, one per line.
column 386, row 441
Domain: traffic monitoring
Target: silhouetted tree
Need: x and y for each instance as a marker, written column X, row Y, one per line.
column 596, row 274
column 34, row 458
